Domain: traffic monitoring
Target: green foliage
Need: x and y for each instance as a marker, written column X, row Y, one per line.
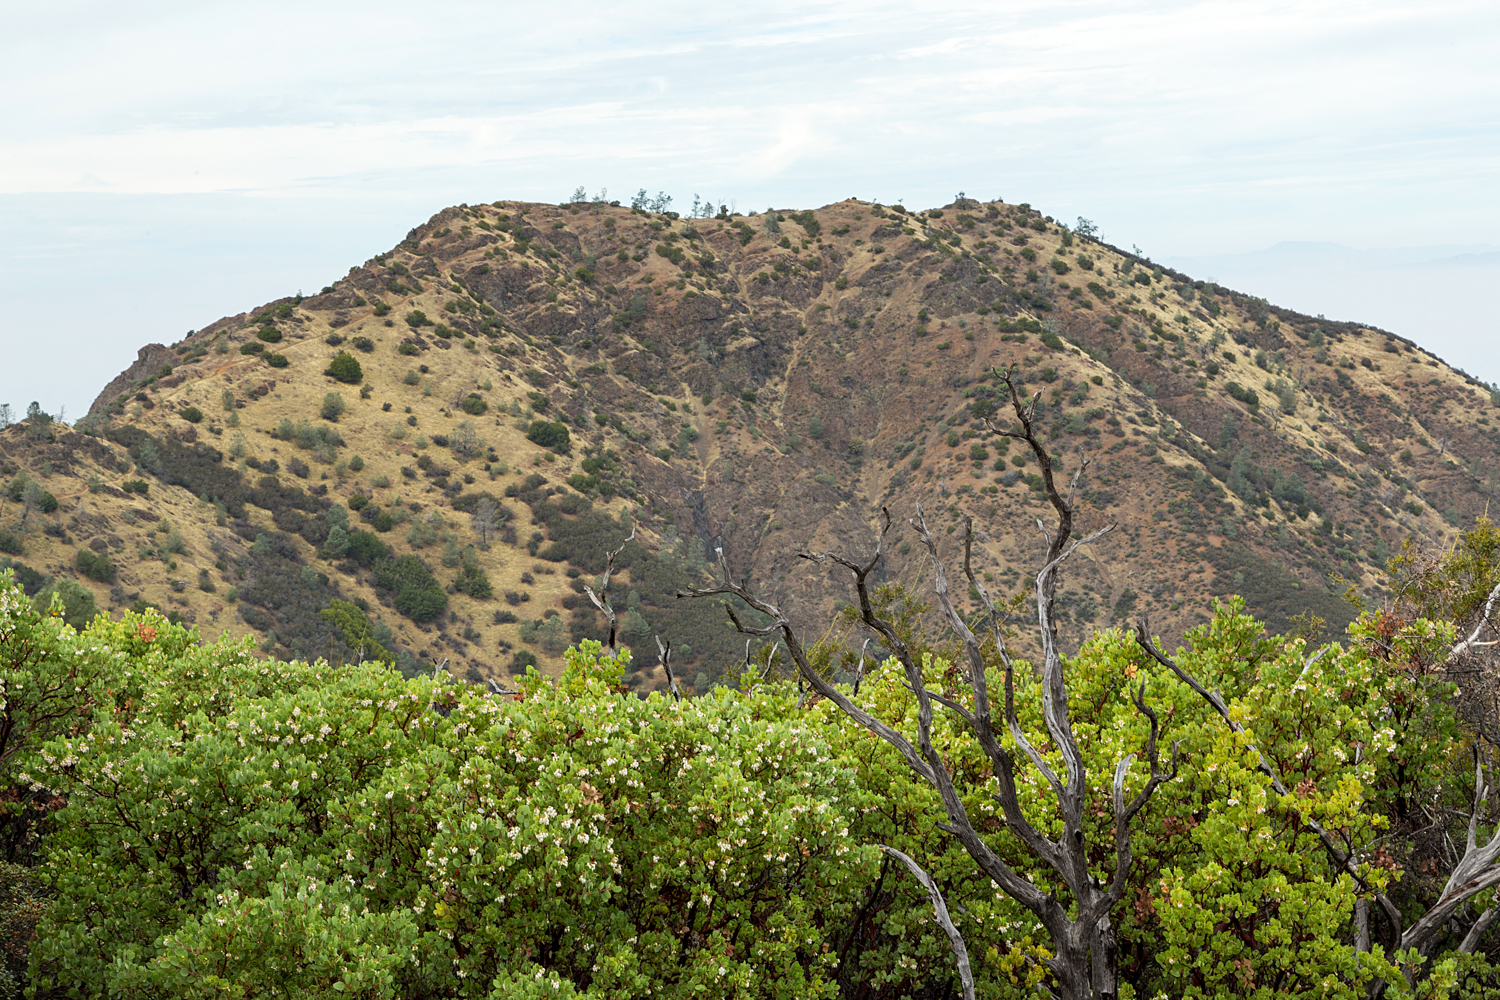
column 345, row 368
column 550, row 435
column 471, row 580
column 416, row 591
column 1241, row 394
column 191, row 414
column 269, row 334
column 333, row 406
column 358, row 631
column 276, row 360
column 333, row 829
column 365, row 548
column 67, row 599
column 95, row 566
column 474, row 404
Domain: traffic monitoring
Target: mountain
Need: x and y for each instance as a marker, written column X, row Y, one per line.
column 1433, row 294
column 451, row 437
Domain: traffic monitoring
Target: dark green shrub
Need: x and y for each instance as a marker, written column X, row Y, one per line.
column 333, row 406
column 78, row 607
column 365, row 548
column 135, row 486
column 358, row 502
column 10, row 542
column 417, row 593
column 549, row 435
column 381, row 309
column 253, row 347
column 474, row 404
column 276, row 360
column 417, row 318
column 345, row 368
column 521, row 660
column 1241, row 394
column 191, row 414
column 46, row 502
column 364, row 344
column 1060, row 266
column 269, row 334
column 383, row 522
column 95, row 566
column 472, row 580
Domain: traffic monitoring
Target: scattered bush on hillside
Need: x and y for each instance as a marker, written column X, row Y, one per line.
column 276, row 360
column 550, row 435
column 333, row 406
column 345, row 368
column 95, row 566
column 191, row 414
column 75, row 602
column 415, row 591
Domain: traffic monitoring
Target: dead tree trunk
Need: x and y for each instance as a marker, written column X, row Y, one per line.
column 1078, row 921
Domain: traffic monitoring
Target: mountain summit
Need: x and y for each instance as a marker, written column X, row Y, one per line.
column 427, row 460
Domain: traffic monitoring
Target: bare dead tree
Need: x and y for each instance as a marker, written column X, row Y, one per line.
column 484, row 520
column 664, row 650
column 601, row 599
column 1079, row 921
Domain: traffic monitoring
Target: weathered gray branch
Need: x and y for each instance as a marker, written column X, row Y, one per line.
column 960, row 951
column 1472, row 641
column 601, row 600
column 665, row 653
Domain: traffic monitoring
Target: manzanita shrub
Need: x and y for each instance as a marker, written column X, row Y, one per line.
column 209, row 824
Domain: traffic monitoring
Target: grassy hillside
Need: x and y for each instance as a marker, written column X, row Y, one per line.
column 759, row 382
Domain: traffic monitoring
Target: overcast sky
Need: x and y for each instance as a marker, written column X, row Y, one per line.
column 165, row 164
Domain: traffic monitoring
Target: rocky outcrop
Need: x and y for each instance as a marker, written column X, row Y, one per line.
column 149, row 362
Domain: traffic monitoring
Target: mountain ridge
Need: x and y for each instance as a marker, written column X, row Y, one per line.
column 764, row 382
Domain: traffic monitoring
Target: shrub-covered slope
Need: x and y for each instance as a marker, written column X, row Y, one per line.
column 452, row 436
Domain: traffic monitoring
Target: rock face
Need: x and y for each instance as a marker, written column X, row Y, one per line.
column 149, row 361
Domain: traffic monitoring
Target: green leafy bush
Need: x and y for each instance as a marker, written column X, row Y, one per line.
column 474, row 404
column 95, row 566
column 416, row 592
column 417, row 318
column 345, row 368
column 191, row 414
column 549, row 434
column 269, row 334
column 276, row 360
column 333, row 406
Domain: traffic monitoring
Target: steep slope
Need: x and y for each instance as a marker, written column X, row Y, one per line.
column 763, row 383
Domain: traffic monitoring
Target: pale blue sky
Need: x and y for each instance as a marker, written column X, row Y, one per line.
column 169, row 163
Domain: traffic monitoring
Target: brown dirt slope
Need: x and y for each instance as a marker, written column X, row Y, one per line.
column 763, row 382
